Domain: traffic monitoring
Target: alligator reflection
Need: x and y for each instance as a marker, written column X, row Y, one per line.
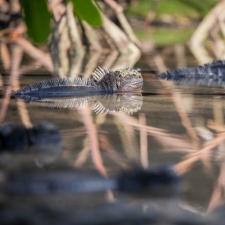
column 148, row 213
column 20, row 146
column 157, row 180
column 124, row 102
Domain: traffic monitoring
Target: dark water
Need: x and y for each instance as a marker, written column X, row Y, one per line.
column 179, row 125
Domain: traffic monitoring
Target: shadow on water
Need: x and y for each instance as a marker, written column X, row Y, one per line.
column 182, row 125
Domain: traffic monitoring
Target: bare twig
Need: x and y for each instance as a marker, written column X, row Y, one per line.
column 63, row 45
column 73, row 30
column 110, row 59
column 202, row 31
column 123, row 21
column 119, row 37
column 57, row 7
column 92, row 37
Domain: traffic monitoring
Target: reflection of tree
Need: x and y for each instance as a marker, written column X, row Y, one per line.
column 13, row 84
column 97, row 142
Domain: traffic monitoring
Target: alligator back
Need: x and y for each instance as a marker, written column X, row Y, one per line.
column 206, row 75
column 59, row 87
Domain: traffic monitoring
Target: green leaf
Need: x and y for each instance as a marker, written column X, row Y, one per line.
column 37, row 19
column 88, row 11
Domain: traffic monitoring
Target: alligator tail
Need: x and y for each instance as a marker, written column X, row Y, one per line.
column 206, row 75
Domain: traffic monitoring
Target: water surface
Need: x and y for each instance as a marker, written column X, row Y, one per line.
column 179, row 125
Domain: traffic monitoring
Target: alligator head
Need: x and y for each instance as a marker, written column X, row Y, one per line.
column 121, row 80
column 128, row 80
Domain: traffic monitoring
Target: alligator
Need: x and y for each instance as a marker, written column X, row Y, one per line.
column 128, row 103
column 70, row 180
column 121, row 211
column 103, row 81
column 206, row 75
column 16, row 137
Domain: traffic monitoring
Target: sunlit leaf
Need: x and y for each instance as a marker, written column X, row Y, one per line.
column 37, row 19
column 87, row 10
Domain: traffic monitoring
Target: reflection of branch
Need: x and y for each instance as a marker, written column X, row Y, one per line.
column 126, row 60
column 13, row 79
column 14, row 85
column 179, row 50
column 185, row 165
column 5, row 56
column 85, row 113
column 1, row 82
column 143, row 141
column 106, row 145
column 177, row 98
column 176, row 142
column 218, row 192
column 218, row 110
column 127, row 134
column 218, row 127
column 159, row 62
column 35, row 53
column 26, row 68
column 23, row 113
column 92, row 63
column 76, row 64
column 83, row 155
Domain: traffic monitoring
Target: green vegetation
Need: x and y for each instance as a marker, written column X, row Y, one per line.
column 163, row 37
column 87, row 10
column 175, row 12
column 176, row 8
column 38, row 18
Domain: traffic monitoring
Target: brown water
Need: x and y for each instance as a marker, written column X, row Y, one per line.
column 179, row 125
